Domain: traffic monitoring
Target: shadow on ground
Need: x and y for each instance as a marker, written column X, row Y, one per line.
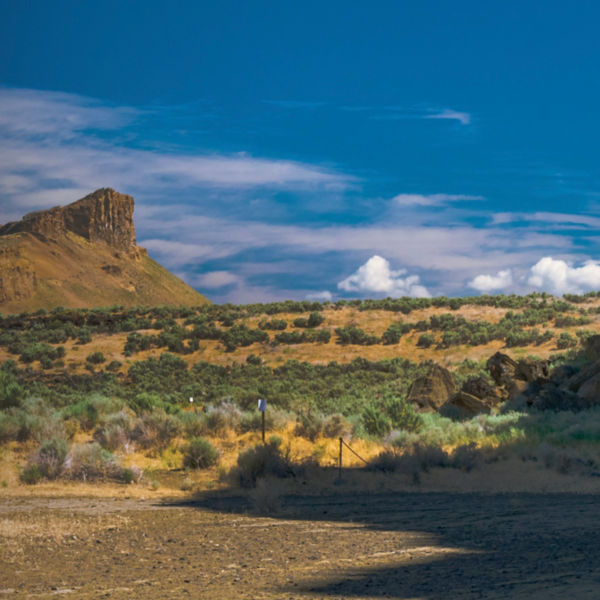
column 441, row 545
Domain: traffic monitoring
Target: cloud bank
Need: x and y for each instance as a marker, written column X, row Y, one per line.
column 558, row 277
column 56, row 147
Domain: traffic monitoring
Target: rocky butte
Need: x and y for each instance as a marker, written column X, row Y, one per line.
column 83, row 255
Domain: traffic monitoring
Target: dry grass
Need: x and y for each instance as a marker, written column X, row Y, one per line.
column 373, row 322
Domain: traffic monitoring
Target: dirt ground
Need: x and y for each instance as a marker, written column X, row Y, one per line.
column 344, row 543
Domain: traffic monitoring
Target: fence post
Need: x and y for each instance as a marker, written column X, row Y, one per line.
column 340, row 464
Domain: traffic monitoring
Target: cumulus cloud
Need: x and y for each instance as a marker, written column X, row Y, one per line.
column 431, row 199
column 376, row 277
column 462, row 117
column 491, row 283
column 558, row 277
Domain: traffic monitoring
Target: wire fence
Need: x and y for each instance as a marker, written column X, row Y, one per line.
column 342, row 444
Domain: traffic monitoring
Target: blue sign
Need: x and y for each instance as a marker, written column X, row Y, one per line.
column 262, row 405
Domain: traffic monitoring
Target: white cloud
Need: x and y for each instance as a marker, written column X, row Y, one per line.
column 431, row 199
column 560, row 219
column 375, row 276
column 324, row 296
column 217, row 279
column 463, row 117
column 558, row 277
column 57, row 114
column 51, row 153
column 490, row 283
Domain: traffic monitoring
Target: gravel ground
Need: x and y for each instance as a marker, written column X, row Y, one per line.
column 341, row 545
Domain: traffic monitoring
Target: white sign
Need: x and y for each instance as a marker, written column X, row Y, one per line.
column 262, row 405
column 191, row 399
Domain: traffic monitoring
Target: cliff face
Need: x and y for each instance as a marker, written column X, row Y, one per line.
column 83, row 255
column 103, row 216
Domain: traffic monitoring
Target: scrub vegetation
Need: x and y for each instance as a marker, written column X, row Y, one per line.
column 85, row 392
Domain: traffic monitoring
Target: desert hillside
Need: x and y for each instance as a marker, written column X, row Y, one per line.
column 83, row 255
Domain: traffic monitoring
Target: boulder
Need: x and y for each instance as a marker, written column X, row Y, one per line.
column 502, row 368
column 481, row 388
column 519, row 389
column 592, row 347
column 430, row 392
column 554, row 398
column 562, row 374
column 465, row 404
column 590, row 390
column 576, row 381
column 531, row 370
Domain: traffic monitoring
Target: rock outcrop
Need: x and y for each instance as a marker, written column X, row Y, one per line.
column 104, row 216
column 430, row 392
column 83, row 255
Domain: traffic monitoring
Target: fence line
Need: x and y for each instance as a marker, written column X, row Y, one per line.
column 342, row 444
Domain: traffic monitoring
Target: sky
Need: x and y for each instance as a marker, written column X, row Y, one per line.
column 318, row 150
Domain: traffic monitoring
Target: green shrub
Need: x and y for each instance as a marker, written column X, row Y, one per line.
column 252, row 359
column 115, row 431
column 394, row 332
column 309, row 425
column 315, row 319
column 128, row 475
column 91, row 461
column 426, row 340
column 11, row 393
column 226, row 416
column 31, row 474
column 355, row 335
column 49, row 459
column 200, row 454
column 274, row 324
column 374, row 421
column 402, row 414
column 565, row 340
column 262, row 461
column 155, row 430
column 95, row 358
column 192, row 423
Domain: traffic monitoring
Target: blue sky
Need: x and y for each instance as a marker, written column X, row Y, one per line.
column 318, row 149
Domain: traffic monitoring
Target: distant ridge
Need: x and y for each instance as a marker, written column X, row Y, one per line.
column 83, row 255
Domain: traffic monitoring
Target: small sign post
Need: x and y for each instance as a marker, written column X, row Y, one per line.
column 192, row 403
column 262, row 406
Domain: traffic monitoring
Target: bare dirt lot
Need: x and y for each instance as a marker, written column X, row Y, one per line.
column 343, row 544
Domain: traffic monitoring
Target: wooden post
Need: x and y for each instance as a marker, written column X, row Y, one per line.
column 340, row 464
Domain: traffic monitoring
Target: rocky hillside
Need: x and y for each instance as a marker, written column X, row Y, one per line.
column 83, row 255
